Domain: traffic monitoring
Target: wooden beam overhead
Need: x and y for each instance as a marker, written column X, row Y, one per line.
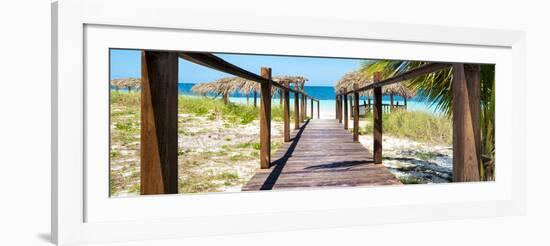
column 210, row 60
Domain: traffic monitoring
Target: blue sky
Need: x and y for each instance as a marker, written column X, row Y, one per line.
column 319, row 71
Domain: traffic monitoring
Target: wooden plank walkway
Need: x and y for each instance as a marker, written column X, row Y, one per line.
column 321, row 154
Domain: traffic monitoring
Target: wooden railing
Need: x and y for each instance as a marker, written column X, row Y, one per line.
column 466, row 114
column 386, row 108
column 159, row 134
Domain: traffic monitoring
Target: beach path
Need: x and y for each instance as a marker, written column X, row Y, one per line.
column 321, row 154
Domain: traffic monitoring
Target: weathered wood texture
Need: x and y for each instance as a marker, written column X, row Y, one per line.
column 296, row 108
column 318, row 110
column 419, row 71
column 305, row 107
column 351, row 105
column 286, row 114
column 311, row 107
column 377, row 117
column 336, row 108
column 313, row 160
column 255, row 98
column 466, row 122
column 356, row 117
column 345, row 111
column 339, row 109
column 225, row 98
column 265, row 120
column 159, row 123
column 302, row 105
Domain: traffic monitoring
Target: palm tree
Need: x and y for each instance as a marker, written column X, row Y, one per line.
column 436, row 88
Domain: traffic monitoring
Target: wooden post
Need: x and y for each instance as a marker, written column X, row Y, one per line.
column 318, row 109
column 305, row 108
column 225, row 98
column 391, row 102
column 304, row 111
column 351, row 105
column 336, row 107
column 355, row 115
column 405, row 99
column 340, row 109
column 311, row 108
column 345, row 110
column 247, row 99
column 255, row 98
column 159, row 123
column 281, row 96
column 286, row 114
column 377, row 117
column 296, row 108
column 302, row 105
column 265, row 120
column 466, row 122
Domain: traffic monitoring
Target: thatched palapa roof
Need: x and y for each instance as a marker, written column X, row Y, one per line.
column 398, row 89
column 299, row 80
column 126, row 82
column 349, row 80
column 228, row 85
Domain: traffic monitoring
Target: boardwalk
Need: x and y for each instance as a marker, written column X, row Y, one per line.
column 322, row 154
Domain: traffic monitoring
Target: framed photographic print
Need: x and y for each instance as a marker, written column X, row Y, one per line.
column 171, row 125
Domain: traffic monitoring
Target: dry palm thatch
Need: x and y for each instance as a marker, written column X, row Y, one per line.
column 224, row 86
column 282, row 79
column 126, row 83
column 349, row 80
column 398, row 89
column 203, row 88
column 353, row 80
column 249, row 86
column 228, row 85
column 299, row 80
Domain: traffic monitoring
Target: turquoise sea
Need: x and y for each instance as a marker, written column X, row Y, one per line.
column 325, row 94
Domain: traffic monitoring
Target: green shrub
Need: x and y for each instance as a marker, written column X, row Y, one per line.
column 417, row 125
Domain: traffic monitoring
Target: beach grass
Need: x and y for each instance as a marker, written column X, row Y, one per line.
column 231, row 112
column 416, row 125
column 218, row 146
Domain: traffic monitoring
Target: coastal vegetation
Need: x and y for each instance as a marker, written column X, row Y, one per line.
column 218, row 145
column 436, row 89
column 418, row 125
